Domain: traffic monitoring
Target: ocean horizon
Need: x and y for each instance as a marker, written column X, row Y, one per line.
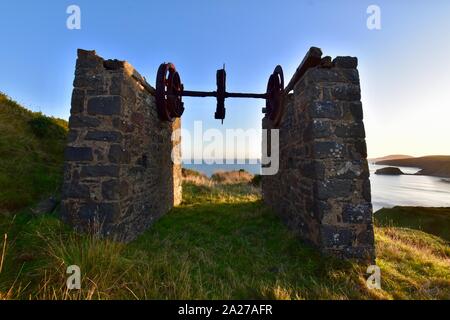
column 208, row 167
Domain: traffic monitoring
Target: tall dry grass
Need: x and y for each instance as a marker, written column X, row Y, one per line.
column 232, row 177
column 218, row 177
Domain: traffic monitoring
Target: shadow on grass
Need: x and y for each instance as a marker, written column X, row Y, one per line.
column 240, row 250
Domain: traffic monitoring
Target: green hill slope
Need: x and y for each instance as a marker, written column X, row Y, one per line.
column 31, row 155
column 390, row 157
column 434, row 221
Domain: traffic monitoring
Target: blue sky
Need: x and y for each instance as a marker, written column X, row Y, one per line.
column 404, row 67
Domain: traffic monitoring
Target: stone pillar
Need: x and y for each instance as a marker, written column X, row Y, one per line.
column 118, row 175
column 322, row 190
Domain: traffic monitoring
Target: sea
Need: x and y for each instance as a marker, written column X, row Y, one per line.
column 387, row 191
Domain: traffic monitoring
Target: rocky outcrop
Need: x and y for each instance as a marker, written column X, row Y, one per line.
column 389, row 171
column 438, row 166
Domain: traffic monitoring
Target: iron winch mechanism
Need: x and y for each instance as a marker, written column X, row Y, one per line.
column 170, row 90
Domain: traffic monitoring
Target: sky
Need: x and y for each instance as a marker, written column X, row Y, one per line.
column 404, row 66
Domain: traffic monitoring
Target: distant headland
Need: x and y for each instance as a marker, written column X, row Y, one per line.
column 436, row 165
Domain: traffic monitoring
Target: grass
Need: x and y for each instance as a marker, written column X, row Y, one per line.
column 31, row 148
column 232, row 177
column 221, row 243
column 218, row 178
column 430, row 220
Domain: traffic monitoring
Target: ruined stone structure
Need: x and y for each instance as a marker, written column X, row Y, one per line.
column 119, row 176
column 322, row 189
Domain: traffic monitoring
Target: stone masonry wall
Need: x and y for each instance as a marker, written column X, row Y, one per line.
column 118, row 175
column 322, row 189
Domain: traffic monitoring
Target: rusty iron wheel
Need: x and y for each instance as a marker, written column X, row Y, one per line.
column 174, row 99
column 275, row 94
column 169, row 103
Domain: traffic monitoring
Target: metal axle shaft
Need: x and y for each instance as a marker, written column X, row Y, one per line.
column 187, row 93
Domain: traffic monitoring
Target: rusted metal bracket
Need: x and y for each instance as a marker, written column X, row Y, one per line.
column 312, row 59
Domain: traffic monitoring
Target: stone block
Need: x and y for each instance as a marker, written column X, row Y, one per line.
column 334, row 236
column 75, row 190
column 105, row 105
column 92, row 83
column 78, row 99
column 331, row 189
column 113, row 64
column 367, row 191
column 346, row 92
column 359, row 213
column 318, row 128
column 357, row 149
column 78, row 154
column 346, row 62
column 100, row 171
column 111, row 189
column 321, row 208
column 88, row 59
column 109, row 136
column 324, row 109
column 321, row 75
column 350, row 130
column 328, row 149
column 72, row 135
column 347, row 169
column 352, row 110
column 80, row 121
column 366, row 236
column 116, row 86
column 117, row 154
column 311, row 169
column 349, row 76
column 99, row 212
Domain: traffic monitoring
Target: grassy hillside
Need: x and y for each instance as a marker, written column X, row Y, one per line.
column 438, row 166
column 31, row 151
column 390, row 157
column 430, row 220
